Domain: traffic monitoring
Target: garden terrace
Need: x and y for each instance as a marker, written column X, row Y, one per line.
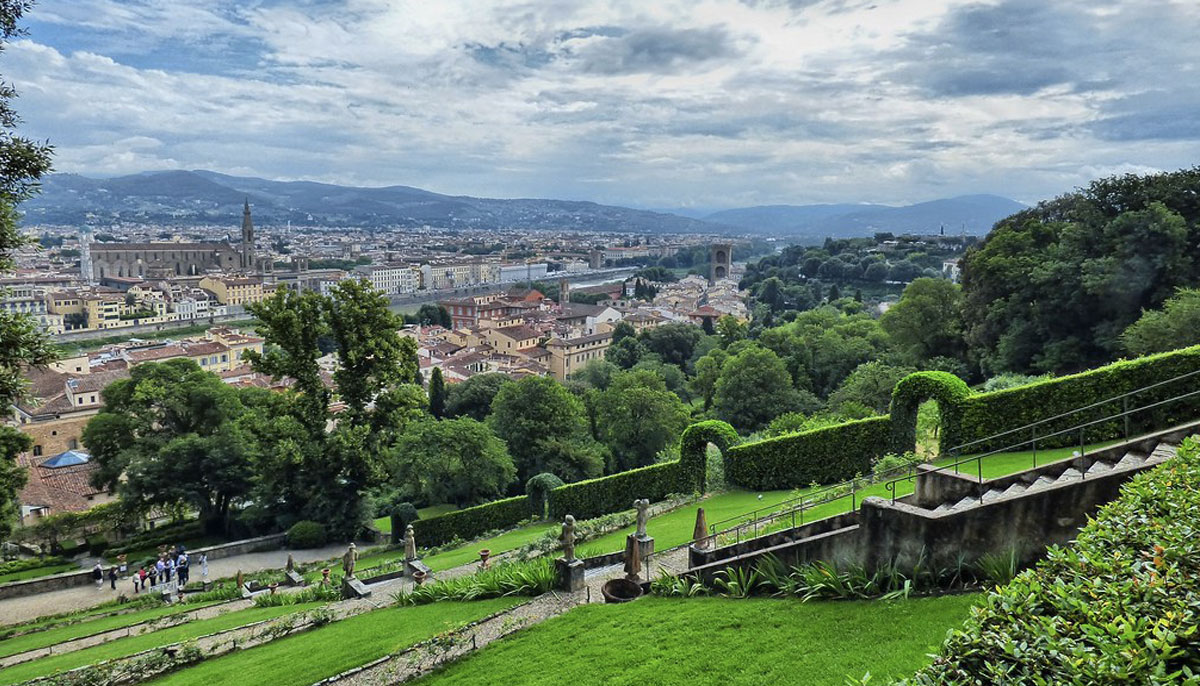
column 320, row 653
column 666, row 641
column 124, row 647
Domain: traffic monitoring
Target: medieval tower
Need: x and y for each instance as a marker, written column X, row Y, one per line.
column 247, row 238
column 721, row 258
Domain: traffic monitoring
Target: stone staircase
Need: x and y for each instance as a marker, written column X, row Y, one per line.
column 1131, row 461
column 951, row 516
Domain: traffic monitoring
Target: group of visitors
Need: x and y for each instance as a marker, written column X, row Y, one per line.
column 172, row 564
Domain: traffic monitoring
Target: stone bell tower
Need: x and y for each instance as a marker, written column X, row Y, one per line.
column 721, row 258
column 247, row 238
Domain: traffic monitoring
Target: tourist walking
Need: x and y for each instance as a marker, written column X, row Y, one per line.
column 141, row 575
column 98, row 575
column 112, row 576
column 181, row 564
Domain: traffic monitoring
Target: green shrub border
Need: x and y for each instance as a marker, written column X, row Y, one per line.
column 595, row 497
column 471, row 522
column 826, row 455
column 951, row 394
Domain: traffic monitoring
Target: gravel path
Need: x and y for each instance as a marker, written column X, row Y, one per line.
column 14, row 610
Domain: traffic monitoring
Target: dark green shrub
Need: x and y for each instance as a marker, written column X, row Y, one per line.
column 306, row 534
column 96, row 545
column 168, row 534
column 1121, row 605
column 471, row 522
column 951, row 394
column 827, row 455
column 537, row 489
column 402, row 515
column 595, row 497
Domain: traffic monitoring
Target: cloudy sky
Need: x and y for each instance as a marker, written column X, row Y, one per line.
column 693, row 103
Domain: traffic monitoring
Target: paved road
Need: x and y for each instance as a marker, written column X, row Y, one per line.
column 13, row 610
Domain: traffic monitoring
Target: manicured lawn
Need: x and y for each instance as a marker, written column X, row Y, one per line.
column 49, row 637
column 693, row 642
column 135, row 644
column 39, row 571
column 676, row 527
column 384, row 524
column 306, row 658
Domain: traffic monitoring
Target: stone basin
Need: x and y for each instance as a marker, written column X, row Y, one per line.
column 621, row 590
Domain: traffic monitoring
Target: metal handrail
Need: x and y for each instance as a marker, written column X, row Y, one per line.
column 807, row 501
column 824, row 496
column 1077, row 410
column 978, row 459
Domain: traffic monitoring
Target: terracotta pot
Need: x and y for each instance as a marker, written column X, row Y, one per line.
column 419, row 577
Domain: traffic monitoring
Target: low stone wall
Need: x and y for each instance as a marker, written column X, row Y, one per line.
column 59, row 582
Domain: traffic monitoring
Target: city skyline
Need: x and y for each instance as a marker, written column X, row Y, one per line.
column 713, row 104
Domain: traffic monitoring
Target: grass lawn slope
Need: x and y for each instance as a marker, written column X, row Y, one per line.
column 309, row 657
column 693, row 642
column 123, row 647
column 61, row 634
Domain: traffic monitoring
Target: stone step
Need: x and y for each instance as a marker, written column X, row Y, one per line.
column 1099, row 467
column 1015, row 489
column 1131, row 460
column 944, row 507
column 1042, row 481
column 1071, row 473
column 1163, row 451
column 965, row 502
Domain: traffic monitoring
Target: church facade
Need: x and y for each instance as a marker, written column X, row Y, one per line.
column 164, row 260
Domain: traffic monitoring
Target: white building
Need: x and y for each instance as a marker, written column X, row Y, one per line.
column 392, row 278
column 533, row 271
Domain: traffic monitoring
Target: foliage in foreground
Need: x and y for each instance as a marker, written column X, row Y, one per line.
column 528, row 578
column 825, row 581
column 1119, row 606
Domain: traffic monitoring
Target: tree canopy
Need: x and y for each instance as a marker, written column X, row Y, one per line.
column 1053, row 287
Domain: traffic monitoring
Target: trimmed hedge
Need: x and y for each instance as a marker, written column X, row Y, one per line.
column 1121, row 605
column 471, row 522
column 987, row 414
column 616, row 492
column 951, row 394
column 306, row 534
column 827, row 455
column 693, row 452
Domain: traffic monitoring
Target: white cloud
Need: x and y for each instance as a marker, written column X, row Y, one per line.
column 708, row 102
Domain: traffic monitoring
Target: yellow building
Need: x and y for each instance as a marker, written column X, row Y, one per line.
column 234, row 291
column 568, row 355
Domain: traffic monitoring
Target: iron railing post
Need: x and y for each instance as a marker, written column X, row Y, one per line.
column 1125, row 411
column 1033, row 432
column 1082, row 471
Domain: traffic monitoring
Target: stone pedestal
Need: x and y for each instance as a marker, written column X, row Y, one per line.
column 293, row 578
column 645, row 546
column 353, row 588
column 413, row 566
column 570, row 575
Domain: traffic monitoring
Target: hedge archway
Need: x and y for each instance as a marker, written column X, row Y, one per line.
column 693, row 451
column 537, row 489
column 948, row 390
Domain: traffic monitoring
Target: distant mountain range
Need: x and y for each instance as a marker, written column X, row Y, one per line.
column 205, row 197
column 974, row 214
